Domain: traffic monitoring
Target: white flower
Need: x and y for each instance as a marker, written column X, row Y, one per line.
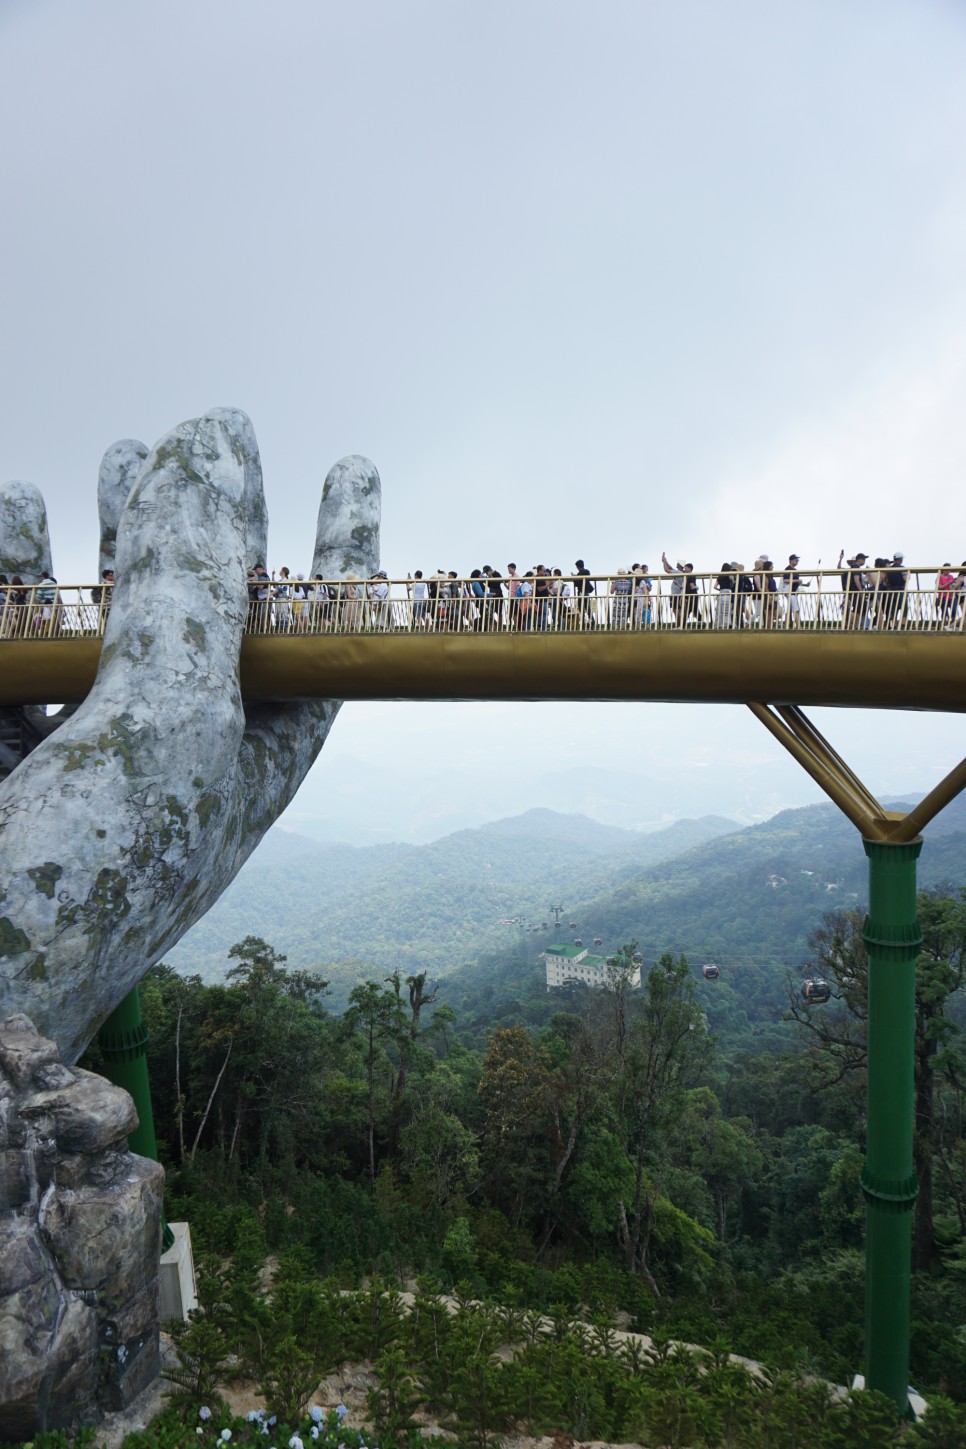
column 204, row 1412
column 295, row 1442
column 314, row 1431
column 225, row 1435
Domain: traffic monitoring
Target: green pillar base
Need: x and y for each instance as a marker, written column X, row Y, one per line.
column 893, row 938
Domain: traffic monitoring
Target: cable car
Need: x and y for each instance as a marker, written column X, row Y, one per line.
column 815, row 991
column 543, row 925
column 598, row 940
column 573, row 925
column 638, row 958
column 578, row 941
column 710, row 972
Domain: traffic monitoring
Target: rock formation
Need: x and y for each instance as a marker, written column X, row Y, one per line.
column 80, row 1242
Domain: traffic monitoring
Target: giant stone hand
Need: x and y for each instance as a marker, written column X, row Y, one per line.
column 123, row 827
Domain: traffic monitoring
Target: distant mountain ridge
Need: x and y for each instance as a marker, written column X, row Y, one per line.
column 421, row 907
column 701, row 887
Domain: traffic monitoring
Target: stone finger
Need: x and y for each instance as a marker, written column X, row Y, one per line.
column 24, row 539
column 347, row 534
column 119, row 469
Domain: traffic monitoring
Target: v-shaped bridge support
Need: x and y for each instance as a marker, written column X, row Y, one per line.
column 792, row 728
column 893, row 941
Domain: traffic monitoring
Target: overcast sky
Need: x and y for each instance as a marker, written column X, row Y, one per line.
column 582, row 279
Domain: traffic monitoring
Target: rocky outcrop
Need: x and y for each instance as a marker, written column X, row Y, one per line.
column 80, row 1242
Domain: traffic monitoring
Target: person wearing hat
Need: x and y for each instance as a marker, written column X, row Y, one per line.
column 789, row 584
column 298, row 604
column 378, row 591
column 855, row 586
column 892, row 593
column 621, row 588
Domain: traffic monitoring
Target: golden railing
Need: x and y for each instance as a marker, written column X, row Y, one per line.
column 826, row 600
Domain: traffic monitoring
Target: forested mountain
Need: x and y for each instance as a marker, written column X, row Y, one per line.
column 746, row 898
column 428, row 907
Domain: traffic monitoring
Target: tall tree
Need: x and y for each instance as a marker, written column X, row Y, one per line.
column 376, row 1018
column 662, row 1044
column 838, row 1033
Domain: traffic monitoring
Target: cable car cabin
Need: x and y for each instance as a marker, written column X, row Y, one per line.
column 573, row 925
column 815, row 991
column 543, row 925
column 578, row 941
column 598, row 940
column 711, row 972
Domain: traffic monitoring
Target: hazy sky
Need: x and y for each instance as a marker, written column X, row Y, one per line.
column 582, row 279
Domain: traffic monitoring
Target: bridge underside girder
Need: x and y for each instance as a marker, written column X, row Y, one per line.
column 872, row 669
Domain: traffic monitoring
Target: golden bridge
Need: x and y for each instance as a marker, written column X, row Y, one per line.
column 823, row 646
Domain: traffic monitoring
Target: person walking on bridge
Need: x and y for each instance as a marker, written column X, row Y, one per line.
column 855, row 587
column 583, row 589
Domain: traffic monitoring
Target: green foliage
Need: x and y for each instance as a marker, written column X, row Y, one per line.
column 598, row 1157
column 290, row 1376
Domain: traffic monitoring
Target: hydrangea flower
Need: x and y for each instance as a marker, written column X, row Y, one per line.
column 341, row 1410
column 315, row 1414
column 225, row 1435
column 295, row 1442
column 204, row 1412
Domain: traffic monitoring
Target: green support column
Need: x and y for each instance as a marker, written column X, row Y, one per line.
column 893, row 938
column 123, row 1040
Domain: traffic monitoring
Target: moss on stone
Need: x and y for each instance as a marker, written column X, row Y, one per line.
column 12, row 939
column 194, row 633
column 45, row 877
column 208, row 806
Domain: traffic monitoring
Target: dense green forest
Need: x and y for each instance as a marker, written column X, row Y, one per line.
column 683, row 1159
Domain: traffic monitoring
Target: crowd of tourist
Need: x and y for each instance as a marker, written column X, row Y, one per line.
column 867, row 595
column 544, row 597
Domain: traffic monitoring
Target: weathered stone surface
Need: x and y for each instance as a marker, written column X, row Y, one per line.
column 22, row 1051
column 119, row 469
column 88, row 1116
column 80, row 1245
column 124, row 826
column 24, row 540
column 108, row 1240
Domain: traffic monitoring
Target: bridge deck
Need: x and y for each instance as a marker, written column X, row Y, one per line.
column 855, row 668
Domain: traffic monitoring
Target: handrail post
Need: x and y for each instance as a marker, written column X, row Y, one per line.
column 893, row 938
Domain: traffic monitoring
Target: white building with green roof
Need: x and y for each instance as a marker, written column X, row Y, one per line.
column 567, row 964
